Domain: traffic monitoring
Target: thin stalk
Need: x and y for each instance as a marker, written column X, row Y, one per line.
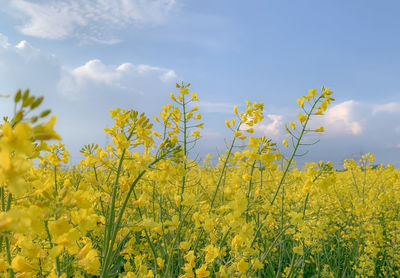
column 305, row 205
column 174, row 243
column 114, row 227
column 46, row 225
column 7, row 240
column 294, row 151
column 10, row 270
column 282, row 180
column 223, row 169
column 185, row 154
column 3, row 208
column 108, row 227
column 249, row 189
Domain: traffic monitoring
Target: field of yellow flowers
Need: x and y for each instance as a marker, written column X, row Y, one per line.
column 141, row 208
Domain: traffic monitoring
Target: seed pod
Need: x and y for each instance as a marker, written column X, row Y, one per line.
column 18, row 117
column 17, row 96
column 45, row 113
column 34, row 119
column 25, row 95
column 37, row 102
column 28, row 101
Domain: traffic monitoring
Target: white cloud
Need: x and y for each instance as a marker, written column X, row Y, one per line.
column 93, row 19
column 126, row 77
column 25, row 66
column 342, row 118
column 272, row 129
column 95, row 88
column 391, row 107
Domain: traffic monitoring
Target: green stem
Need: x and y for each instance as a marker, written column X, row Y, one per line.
column 7, row 239
column 249, row 190
column 109, row 222
column 3, row 208
column 282, row 180
column 185, row 154
column 223, row 169
column 294, row 151
column 10, row 271
column 58, row 268
column 114, row 227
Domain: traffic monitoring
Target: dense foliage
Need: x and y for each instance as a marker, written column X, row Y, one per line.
column 141, row 208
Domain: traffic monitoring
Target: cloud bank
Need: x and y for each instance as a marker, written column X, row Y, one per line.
column 126, row 77
column 92, row 20
column 342, row 118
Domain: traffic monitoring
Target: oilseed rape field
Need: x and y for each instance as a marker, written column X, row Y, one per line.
column 142, row 207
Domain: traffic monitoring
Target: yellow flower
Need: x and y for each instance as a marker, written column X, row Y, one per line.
column 319, row 112
column 227, row 123
column 184, row 91
column 202, row 271
column 236, row 241
column 285, row 143
column 250, row 130
column 302, row 117
column 256, row 264
column 237, row 134
column 196, row 133
column 312, row 93
column 20, row 264
column 59, row 227
column 17, row 139
column 253, row 142
column 246, row 177
column 235, row 110
column 184, row 245
column 194, row 97
column 320, row 129
column 242, row 266
column 88, row 259
column 160, row 263
column 197, row 117
column 3, row 265
column 45, row 131
column 292, row 125
column 300, row 101
column 298, row 250
column 212, row 253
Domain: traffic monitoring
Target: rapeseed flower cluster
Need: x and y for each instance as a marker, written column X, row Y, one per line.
column 142, row 207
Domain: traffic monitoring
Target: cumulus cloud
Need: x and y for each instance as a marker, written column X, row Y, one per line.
column 92, row 19
column 95, row 74
column 342, row 118
column 391, row 107
column 274, row 126
column 90, row 90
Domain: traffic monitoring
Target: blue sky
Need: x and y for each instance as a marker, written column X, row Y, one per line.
column 91, row 57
